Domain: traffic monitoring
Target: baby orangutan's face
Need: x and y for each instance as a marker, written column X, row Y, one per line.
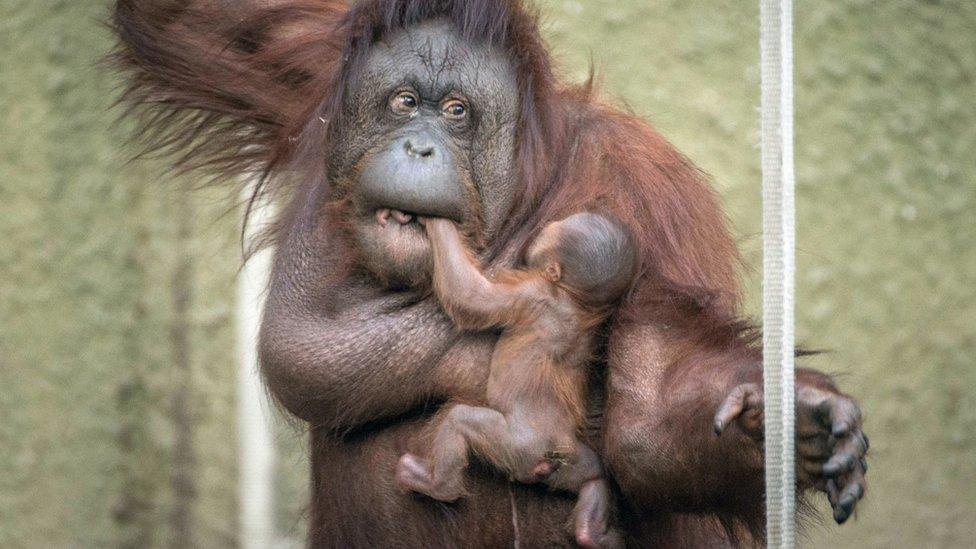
column 543, row 253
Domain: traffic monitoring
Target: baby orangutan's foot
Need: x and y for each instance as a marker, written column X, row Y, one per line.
column 542, row 470
column 591, row 518
column 414, row 475
column 611, row 539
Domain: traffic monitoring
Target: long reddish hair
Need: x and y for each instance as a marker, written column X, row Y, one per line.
column 257, row 92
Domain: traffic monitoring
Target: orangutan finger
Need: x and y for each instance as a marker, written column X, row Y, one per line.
column 848, row 497
column 813, row 448
column 832, row 492
column 843, row 415
column 843, row 461
column 807, row 430
column 853, row 444
column 734, row 405
column 812, row 468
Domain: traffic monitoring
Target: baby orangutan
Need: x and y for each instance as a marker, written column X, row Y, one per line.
column 537, row 386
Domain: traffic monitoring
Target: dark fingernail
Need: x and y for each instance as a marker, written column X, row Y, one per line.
column 864, row 465
column 847, row 505
column 867, row 442
column 841, row 516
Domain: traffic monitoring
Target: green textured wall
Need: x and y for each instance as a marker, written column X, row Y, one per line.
column 89, row 332
column 95, row 256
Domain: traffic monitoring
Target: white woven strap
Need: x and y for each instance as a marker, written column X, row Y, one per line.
column 779, row 238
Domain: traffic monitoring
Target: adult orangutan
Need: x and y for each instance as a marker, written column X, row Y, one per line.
column 449, row 108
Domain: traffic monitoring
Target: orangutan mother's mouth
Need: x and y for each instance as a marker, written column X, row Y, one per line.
column 385, row 216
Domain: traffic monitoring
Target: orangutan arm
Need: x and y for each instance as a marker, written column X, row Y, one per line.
column 338, row 352
column 471, row 300
column 351, row 368
column 660, row 440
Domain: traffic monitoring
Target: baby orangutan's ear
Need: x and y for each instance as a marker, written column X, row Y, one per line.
column 552, row 272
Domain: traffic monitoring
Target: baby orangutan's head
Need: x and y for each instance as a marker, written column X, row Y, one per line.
column 592, row 255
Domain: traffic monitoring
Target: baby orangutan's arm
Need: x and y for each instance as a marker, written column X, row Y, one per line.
column 472, row 301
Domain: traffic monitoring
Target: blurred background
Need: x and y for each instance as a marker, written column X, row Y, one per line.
column 118, row 355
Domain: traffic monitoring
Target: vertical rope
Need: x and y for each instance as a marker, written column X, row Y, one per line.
column 517, row 543
column 779, row 239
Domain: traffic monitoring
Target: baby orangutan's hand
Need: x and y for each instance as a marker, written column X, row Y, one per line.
column 831, row 448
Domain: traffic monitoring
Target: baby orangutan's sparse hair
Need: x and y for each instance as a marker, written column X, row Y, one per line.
column 536, row 396
column 593, row 256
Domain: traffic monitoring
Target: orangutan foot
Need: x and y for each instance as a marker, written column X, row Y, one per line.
column 413, row 474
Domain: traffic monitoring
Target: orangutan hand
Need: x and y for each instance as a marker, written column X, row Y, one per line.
column 830, row 444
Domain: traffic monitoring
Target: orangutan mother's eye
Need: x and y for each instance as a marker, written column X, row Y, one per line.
column 404, row 103
column 455, row 109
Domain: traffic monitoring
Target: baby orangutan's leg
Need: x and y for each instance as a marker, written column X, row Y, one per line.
column 591, row 516
column 463, row 429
